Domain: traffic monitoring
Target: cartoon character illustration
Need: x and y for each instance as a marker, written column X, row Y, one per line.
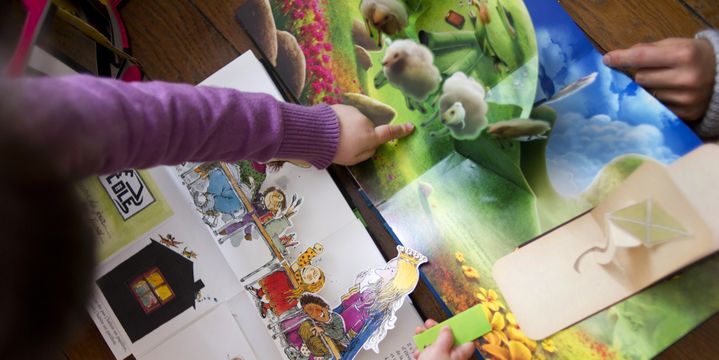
column 324, row 328
column 213, row 194
column 189, row 253
column 409, row 67
column 370, row 307
column 278, row 294
column 463, row 109
column 226, row 201
column 293, row 353
column 206, row 205
column 305, row 273
column 268, row 206
column 252, row 175
column 289, row 240
column 389, row 17
column 168, row 241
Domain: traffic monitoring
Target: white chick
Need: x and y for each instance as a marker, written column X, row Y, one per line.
column 462, row 107
column 455, row 115
column 409, row 67
column 387, row 16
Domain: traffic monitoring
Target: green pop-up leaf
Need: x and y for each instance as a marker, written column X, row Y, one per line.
column 466, row 326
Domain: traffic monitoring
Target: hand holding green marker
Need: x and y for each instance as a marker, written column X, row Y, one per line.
column 466, row 326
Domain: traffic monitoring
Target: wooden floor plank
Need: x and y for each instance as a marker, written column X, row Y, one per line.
column 66, row 42
column 174, row 40
column 707, row 9
column 222, row 15
column 88, row 344
column 616, row 24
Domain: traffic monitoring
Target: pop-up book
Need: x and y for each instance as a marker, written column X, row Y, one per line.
column 244, row 261
column 519, row 128
column 658, row 221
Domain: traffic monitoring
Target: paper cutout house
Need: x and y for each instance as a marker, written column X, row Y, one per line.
column 150, row 288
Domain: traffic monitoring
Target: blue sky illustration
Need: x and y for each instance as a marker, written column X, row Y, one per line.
column 611, row 117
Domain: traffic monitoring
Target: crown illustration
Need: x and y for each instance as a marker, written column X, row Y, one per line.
column 411, row 256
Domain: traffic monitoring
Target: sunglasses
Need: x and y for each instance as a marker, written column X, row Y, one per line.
column 96, row 20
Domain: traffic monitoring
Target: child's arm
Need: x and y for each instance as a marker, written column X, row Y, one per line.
column 92, row 125
column 682, row 73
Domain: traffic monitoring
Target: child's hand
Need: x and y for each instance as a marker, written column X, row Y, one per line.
column 442, row 349
column 359, row 138
column 679, row 72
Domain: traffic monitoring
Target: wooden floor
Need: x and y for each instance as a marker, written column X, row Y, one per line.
column 187, row 40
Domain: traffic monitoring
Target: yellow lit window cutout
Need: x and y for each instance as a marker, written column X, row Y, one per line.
column 155, row 279
column 151, row 291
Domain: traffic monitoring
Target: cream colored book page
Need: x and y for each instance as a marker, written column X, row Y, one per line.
column 571, row 273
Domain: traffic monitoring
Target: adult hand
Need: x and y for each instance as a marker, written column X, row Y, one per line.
column 443, row 348
column 679, row 72
column 359, row 138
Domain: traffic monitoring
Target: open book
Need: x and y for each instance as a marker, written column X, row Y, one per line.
column 523, row 130
column 240, row 260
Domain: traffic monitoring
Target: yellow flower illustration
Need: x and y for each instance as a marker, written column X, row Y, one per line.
column 492, row 338
column 496, row 352
column 487, row 313
column 514, row 333
column 459, row 256
column 511, row 319
column 496, row 336
column 498, row 322
column 548, row 346
column 490, row 299
column 470, row 272
column 531, row 344
column 518, row 351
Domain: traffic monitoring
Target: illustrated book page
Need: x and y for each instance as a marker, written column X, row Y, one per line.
column 277, row 244
column 519, row 128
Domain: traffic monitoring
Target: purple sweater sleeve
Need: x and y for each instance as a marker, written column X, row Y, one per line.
column 92, row 125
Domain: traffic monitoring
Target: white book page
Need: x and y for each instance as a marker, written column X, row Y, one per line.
column 245, row 73
column 193, row 242
column 214, row 336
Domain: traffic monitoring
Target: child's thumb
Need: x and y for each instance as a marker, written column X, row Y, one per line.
column 445, row 340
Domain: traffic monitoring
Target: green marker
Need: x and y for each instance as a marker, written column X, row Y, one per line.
column 466, row 326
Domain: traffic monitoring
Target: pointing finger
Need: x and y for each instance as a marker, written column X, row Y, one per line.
column 385, row 133
column 643, row 56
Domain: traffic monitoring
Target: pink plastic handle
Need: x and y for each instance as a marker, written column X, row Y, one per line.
column 36, row 11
